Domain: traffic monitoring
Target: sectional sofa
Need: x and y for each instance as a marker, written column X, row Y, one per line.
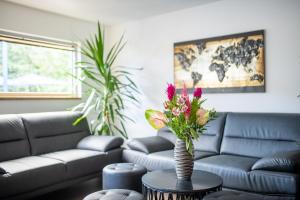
column 253, row 152
column 43, row 152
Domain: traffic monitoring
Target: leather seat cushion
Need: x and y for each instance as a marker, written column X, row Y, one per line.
column 141, row 158
column 236, row 174
column 234, row 195
column 274, row 182
column 233, row 169
column 80, row 162
column 158, row 160
column 29, row 173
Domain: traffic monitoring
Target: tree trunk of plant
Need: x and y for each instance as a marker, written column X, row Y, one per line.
column 184, row 161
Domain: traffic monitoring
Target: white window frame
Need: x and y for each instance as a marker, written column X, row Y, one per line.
column 35, row 40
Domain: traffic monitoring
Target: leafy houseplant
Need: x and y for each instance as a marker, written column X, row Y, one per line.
column 186, row 119
column 110, row 87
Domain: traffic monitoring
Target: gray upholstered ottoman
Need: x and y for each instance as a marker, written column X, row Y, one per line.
column 234, row 195
column 123, row 176
column 115, row 194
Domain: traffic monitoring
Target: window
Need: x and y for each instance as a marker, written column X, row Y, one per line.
column 36, row 67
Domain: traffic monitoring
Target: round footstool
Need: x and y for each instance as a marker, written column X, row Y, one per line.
column 115, row 194
column 123, row 176
column 234, row 195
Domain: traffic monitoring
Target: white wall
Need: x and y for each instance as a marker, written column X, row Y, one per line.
column 22, row 19
column 150, row 45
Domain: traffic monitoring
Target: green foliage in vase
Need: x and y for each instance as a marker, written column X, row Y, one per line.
column 111, row 88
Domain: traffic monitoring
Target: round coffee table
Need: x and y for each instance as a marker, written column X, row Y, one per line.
column 163, row 185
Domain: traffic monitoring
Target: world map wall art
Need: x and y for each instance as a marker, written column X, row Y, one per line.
column 232, row 63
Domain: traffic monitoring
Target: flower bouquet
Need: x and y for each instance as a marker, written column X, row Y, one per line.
column 187, row 119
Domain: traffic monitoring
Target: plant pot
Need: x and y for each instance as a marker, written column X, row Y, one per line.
column 184, row 161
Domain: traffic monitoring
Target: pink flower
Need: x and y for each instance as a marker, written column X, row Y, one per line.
column 188, row 110
column 156, row 118
column 181, row 100
column 185, row 97
column 171, row 91
column 184, row 91
column 184, row 108
column 176, row 112
column 198, row 92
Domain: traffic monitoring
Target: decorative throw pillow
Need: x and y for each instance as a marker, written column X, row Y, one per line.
column 288, row 161
column 150, row 144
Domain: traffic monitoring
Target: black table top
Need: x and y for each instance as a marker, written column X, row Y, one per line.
column 166, row 181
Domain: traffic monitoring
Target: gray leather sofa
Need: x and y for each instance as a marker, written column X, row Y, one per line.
column 253, row 152
column 43, row 152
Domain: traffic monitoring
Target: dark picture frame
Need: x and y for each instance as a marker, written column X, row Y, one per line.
column 232, row 63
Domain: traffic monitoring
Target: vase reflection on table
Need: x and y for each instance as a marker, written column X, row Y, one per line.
column 186, row 119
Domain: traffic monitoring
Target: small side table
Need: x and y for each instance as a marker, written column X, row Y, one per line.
column 163, row 185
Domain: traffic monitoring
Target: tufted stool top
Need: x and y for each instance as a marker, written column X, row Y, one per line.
column 234, row 195
column 124, row 168
column 115, row 194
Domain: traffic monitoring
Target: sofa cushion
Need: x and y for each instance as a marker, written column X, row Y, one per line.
column 150, row 144
column 79, row 162
column 53, row 131
column 287, row 161
column 238, row 195
column 233, row 169
column 100, row 143
column 13, row 138
column 259, row 134
column 141, row 158
column 270, row 182
column 158, row 160
column 210, row 140
column 29, row 173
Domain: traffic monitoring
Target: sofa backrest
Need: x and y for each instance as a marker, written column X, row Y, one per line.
column 260, row 134
column 53, row 131
column 13, row 139
column 165, row 132
column 210, row 140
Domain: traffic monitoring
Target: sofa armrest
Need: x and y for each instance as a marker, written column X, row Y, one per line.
column 288, row 161
column 150, row 144
column 100, row 143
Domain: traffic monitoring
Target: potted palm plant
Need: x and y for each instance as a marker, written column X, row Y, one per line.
column 110, row 87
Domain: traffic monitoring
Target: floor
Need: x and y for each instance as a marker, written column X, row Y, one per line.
column 76, row 192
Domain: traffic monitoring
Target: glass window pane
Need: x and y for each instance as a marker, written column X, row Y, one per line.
column 39, row 69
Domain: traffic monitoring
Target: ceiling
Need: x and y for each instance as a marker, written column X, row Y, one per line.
column 110, row 11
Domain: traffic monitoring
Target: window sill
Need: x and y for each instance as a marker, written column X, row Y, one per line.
column 32, row 96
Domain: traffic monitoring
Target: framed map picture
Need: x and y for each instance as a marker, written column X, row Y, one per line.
column 232, row 63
